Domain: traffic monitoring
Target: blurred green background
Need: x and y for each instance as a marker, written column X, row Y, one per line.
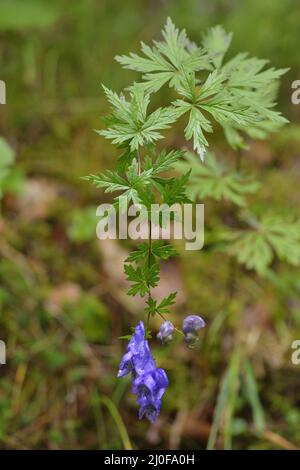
column 62, row 292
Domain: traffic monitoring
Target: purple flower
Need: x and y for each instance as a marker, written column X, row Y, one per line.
column 151, row 385
column 165, row 332
column 150, row 388
column 126, row 364
column 138, row 358
column 150, row 409
column 190, row 327
column 192, row 324
column 149, row 382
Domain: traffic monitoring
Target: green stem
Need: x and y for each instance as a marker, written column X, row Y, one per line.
column 164, row 319
column 139, row 162
column 149, row 260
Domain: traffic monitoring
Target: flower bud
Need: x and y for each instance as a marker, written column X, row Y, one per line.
column 165, row 332
column 192, row 324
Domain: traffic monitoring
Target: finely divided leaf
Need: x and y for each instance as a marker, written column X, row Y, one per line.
column 217, row 41
column 270, row 236
column 129, row 122
column 167, row 60
column 215, row 180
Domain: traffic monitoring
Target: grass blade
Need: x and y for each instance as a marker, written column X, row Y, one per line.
column 118, row 420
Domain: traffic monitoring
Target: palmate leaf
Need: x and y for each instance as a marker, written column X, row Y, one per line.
column 239, row 95
column 140, row 254
column 133, row 186
column 163, row 251
column 270, row 120
column 234, row 109
column 167, row 60
column 216, row 41
column 135, row 179
column 215, row 98
column 271, row 236
column 162, row 307
column 158, row 249
column 252, row 250
column 138, row 280
column 165, row 161
column 215, row 180
column 248, row 72
column 256, row 89
column 173, row 190
column 126, row 158
column 112, row 181
column 212, row 99
column 234, row 94
column 197, row 123
column 142, row 278
column 228, row 109
column 129, row 122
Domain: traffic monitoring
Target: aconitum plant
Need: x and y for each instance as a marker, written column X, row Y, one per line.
column 149, row 382
column 206, row 92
